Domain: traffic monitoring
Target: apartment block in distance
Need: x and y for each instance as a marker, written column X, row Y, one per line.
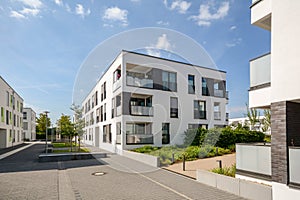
column 274, row 85
column 145, row 100
column 29, row 124
column 11, row 121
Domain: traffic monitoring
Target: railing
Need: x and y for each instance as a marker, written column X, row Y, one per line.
column 218, row 93
column 260, row 71
column 117, row 84
column 139, row 82
column 217, row 115
column 142, row 110
column 118, row 139
column 254, row 158
column 139, row 139
column 294, row 165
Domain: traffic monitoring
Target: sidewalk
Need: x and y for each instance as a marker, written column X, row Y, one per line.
column 204, row 164
column 12, row 150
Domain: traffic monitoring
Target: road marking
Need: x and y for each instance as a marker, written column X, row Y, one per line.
column 152, row 180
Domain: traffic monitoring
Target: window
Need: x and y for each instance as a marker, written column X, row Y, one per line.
column 98, row 115
column 217, row 111
column 113, row 107
column 165, row 133
column 107, row 133
column 96, row 98
column 169, row 81
column 191, row 84
column 139, row 133
column 92, row 118
column 196, row 126
column 104, row 90
column 25, row 125
column 104, row 112
column 93, row 101
column 7, row 98
column 25, row 115
column 173, row 107
column 2, row 114
column 101, row 114
column 117, row 74
column 118, row 132
column 199, row 109
column 205, row 90
column 89, row 105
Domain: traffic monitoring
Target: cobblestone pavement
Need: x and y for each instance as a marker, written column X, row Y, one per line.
column 23, row 177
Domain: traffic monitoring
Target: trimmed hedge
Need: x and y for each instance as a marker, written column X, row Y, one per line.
column 225, row 137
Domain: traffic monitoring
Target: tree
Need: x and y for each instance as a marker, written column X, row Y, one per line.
column 41, row 125
column 267, row 120
column 78, row 122
column 65, row 127
column 253, row 116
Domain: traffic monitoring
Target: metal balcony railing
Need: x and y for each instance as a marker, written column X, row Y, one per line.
column 141, row 110
column 139, row 139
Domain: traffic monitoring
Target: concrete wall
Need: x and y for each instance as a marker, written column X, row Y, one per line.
column 144, row 158
column 245, row 189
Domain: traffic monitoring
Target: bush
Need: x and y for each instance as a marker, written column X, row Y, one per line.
column 227, row 171
column 145, row 149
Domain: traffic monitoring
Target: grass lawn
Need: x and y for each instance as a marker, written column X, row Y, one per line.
column 62, row 144
column 82, row 150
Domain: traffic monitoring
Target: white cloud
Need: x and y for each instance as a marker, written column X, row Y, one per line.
column 209, row 12
column 232, row 28
column 162, row 44
column 234, row 42
column 32, row 3
column 68, row 8
column 30, row 11
column 162, row 23
column 80, row 10
column 116, row 14
column 16, row 15
column 179, row 5
column 59, row 2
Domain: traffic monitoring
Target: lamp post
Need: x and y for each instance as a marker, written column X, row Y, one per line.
column 46, row 113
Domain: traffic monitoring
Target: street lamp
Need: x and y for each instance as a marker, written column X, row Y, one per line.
column 46, row 113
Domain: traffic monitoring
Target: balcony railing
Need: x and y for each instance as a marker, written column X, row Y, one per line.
column 118, row 139
column 139, row 82
column 117, row 84
column 142, row 110
column 118, row 111
column 139, row 139
column 218, row 93
column 260, row 72
column 294, row 165
column 217, row 115
column 254, row 158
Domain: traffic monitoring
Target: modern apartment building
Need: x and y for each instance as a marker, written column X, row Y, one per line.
column 145, row 100
column 11, row 119
column 29, row 124
column 274, row 84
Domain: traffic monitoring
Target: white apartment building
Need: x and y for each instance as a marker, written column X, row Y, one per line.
column 274, row 84
column 11, row 119
column 29, row 124
column 145, row 100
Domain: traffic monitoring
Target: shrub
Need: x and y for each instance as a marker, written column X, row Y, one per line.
column 227, row 171
column 145, row 149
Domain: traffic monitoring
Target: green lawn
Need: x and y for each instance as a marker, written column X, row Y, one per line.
column 62, row 144
column 82, row 150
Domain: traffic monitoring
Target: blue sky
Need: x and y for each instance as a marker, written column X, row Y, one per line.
column 44, row 43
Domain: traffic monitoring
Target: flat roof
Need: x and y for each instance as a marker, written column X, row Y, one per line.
column 10, row 87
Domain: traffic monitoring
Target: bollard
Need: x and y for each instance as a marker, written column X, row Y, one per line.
column 173, row 159
column 220, row 163
column 183, row 163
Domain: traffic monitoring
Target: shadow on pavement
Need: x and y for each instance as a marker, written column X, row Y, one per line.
column 27, row 160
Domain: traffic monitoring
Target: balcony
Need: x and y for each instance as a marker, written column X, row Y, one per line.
column 117, row 84
column 254, row 159
column 217, row 115
column 294, row 165
column 261, row 13
column 141, row 110
column 218, row 93
column 260, row 81
column 139, row 82
column 139, row 139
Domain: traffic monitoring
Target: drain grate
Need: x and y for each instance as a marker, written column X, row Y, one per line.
column 98, row 173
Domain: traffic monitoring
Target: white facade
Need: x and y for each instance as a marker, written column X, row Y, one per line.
column 142, row 99
column 11, row 116
column 29, row 124
column 244, row 121
column 274, row 84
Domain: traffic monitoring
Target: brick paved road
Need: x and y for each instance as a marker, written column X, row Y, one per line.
column 23, row 177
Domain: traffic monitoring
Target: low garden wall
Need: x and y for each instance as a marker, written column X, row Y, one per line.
column 144, row 158
column 243, row 188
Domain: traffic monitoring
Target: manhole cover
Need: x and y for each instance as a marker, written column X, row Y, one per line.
column 98, row 173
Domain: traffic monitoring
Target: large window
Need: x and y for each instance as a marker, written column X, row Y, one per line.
column 2, row 114
column 139, row 133
column 24, row 115
column 96, row 98
column 173, row 107
column 117, row 74
column 118, row 133
column 107, row 133
column 25, row 125
column 104, row 112
column 103, row 91
column 7, row 98
column 98, row 115
column 191, row 84
column 165, row 133
column 199, row 109
column 101, row 114
column 169, row 81
column 205, row 91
